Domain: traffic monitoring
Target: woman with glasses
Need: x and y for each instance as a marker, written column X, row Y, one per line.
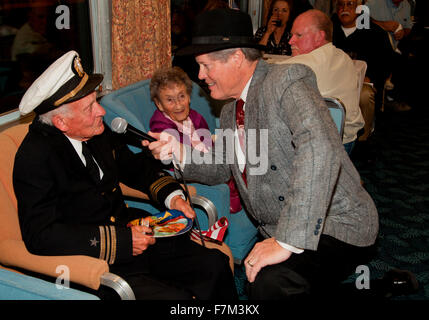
column 170, row 90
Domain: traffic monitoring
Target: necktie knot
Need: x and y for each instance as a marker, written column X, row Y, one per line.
column 239, row 111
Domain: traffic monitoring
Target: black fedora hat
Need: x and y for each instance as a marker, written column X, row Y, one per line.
column 220, row 29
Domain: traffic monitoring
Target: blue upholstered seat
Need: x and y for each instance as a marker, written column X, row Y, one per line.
column 133, row 103
column 338, row 113
column 16, row 286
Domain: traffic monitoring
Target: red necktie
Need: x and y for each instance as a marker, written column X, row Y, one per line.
column 239, row 112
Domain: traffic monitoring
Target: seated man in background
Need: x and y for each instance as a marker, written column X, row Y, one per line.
column 394, row 16
column 66, row 179
column 31, row 47
column 360, row 44
column 170, row 90
column 335, row 72
column 32, row 36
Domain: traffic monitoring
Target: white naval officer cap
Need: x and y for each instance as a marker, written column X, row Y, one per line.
column 62, row 82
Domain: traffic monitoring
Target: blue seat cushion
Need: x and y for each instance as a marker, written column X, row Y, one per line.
column 15, row 286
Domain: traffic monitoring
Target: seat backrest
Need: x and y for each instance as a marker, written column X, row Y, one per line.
column 338, row 113
column 10, row 139
column 133, row 103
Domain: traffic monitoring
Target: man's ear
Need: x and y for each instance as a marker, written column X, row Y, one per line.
column 321, row 36
column 60, row 123
column 238, row 57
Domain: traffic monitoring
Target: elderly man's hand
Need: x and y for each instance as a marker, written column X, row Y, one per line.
column 179, row 204
column 142, row 239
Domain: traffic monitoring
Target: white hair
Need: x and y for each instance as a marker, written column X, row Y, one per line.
column 63, row 110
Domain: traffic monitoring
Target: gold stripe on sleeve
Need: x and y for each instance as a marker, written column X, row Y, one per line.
column 102, row 243
column 159, row 184
column 113, row 245
column 108, row 243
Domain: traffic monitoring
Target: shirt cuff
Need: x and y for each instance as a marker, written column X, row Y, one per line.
column 172, row 195
column 290, row 248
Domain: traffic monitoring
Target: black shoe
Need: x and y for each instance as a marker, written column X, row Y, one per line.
column 399, row 282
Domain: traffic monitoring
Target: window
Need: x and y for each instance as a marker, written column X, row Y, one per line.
column 33, row 34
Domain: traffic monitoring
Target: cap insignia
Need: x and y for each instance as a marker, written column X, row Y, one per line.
column 78, row 67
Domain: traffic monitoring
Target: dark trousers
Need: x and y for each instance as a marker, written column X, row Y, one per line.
column 311, row 273
column 177, row 268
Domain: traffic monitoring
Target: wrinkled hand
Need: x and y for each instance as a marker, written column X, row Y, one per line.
column 165, row 146
column 179, row 204
column 142, row 239
column 264, row 253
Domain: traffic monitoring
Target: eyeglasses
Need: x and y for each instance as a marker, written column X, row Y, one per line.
column 172, row 101
column 343, row 4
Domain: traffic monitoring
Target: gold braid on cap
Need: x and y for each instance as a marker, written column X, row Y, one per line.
column 82, row 74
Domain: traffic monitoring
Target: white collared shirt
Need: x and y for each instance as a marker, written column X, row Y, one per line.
column 77, row 145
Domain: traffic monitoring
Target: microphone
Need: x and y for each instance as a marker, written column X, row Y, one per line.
column 120, row 125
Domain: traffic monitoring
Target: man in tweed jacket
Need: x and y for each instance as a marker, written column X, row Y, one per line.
column 318, row 221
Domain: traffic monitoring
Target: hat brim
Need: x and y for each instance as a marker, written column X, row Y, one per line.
column 197, row 49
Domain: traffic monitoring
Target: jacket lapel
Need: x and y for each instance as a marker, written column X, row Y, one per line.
column 251, row 121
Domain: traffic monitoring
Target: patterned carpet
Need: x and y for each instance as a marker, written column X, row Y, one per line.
column 398, row 181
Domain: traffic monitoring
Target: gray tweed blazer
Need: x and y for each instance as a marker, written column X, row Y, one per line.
column 307, row 186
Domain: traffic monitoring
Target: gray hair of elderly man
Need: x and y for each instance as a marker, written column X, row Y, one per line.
column 46, row 118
